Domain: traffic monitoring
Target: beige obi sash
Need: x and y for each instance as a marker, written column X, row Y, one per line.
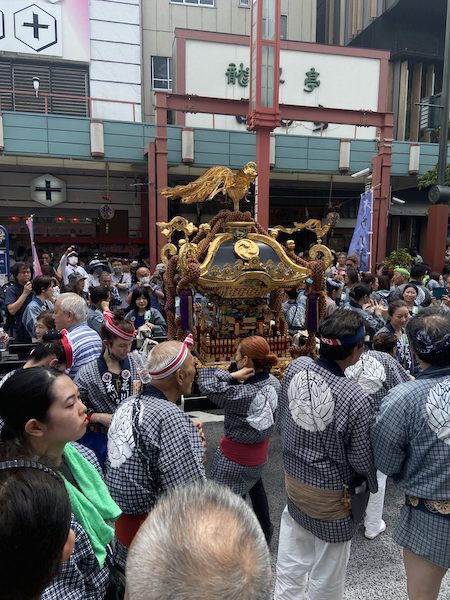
column 317, row 503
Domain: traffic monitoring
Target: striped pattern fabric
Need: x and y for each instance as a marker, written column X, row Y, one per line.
column 86, row 346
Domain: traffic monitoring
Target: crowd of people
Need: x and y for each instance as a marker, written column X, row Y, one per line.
column 103, row 487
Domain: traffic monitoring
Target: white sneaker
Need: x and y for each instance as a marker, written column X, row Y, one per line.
column 371, row 536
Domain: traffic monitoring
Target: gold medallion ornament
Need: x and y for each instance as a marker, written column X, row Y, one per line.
column 246, row 249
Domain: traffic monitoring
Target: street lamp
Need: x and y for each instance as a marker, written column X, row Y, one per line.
column 264, row 112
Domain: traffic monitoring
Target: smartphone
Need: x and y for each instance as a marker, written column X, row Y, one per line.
column 438, row 292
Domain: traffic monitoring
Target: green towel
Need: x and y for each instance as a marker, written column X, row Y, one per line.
column 92, row 506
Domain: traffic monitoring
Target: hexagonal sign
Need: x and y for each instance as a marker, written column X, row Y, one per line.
column 2, row 25
column 35, row 27
column 48, row 190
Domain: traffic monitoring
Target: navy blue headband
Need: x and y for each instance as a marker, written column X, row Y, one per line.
column 346, row 341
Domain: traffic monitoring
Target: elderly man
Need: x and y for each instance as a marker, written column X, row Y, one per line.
column 415, row 278
column 70, row 313
column 152, row 444
column 324, row 421
column 167, row 562
column 411, row 442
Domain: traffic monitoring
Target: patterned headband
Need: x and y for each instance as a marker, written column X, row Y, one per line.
column 67, row 348
column 116, row 331
column 345, row 341
column 176, row 362
column 424, row 344
column 28, row 464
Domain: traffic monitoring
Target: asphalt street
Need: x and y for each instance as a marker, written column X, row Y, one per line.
column 375, row 570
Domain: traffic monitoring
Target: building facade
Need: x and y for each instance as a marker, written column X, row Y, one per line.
column 160, row 19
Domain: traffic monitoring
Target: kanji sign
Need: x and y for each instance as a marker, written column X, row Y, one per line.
column 311, row 80
column 241, row 75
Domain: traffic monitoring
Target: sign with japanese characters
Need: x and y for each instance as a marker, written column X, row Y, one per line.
column 333, row 78
column 46, row 28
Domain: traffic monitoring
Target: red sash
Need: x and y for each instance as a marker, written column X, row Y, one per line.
column 247, row 455
column 127, row 527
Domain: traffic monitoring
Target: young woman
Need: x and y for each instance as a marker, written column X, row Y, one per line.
column 107, row 381
column 44, row 323
column 43, row 413
column 249, row 422
column 409, row 296
column 35, row 517
column 142, row 313
column 398, row 315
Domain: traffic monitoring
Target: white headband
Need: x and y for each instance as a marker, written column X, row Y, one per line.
column 176, row 362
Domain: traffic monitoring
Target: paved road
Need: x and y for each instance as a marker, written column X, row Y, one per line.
column 375, row 569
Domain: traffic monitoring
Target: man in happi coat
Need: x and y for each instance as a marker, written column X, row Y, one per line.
column 152, row 444
column 377, row 373
column 411, row 442
column 324, row 421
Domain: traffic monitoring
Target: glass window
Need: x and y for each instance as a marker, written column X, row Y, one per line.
column 283, row 29
column 161, row 73
column 245, row 3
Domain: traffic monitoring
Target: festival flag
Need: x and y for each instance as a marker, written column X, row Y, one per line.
column 36, row 265
column 360, row 244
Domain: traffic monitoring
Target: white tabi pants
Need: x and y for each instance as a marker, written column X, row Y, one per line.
column 374, row 510
column 308, row 564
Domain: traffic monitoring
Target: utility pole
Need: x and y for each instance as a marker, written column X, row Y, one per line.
column 439, row 194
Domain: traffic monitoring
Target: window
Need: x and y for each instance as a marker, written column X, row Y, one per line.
column 54, row 78
column 244, row 3
column 194, row 2
column 283, row 29
column 161, row 73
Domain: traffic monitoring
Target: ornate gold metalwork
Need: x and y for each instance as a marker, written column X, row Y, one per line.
column 313, row 225
column 327, row 257
column 246, row 249
column 187, row 251
column 177, row 224
column 214, row 181
column 167, row 251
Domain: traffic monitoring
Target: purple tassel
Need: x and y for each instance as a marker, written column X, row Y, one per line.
column 312, row 312
column 186, row 310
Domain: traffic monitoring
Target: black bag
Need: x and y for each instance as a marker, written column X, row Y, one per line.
column 359, row 497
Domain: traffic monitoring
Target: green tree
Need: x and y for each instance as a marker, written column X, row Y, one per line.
column 399, row 258
column 429, row 178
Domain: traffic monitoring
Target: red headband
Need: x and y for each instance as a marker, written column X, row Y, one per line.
column 67, row 348
column 116, row 331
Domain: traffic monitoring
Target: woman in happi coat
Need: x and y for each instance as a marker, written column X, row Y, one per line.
column 249, row 398
column 43, row 415
column 107, row 381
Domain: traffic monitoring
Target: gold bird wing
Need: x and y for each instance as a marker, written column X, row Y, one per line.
column 214, row 181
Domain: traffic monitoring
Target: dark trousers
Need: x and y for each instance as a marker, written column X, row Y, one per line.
column 261, row 508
